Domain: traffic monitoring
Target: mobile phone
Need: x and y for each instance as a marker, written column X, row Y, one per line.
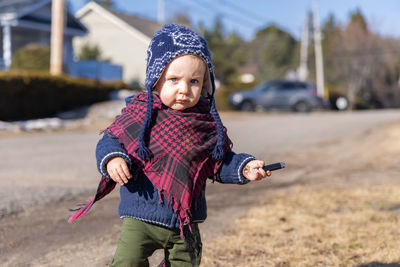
column 274, row 166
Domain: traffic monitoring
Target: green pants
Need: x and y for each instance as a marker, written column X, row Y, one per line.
column 138, row 240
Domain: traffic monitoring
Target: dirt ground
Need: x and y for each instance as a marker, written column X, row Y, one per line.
column 42, row 237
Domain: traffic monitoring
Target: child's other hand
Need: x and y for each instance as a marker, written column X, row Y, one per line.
column 118, row 170
column 254, row 171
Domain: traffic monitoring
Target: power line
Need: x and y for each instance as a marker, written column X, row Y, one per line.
column 243, row 18
column 231, row 17
column 241, row 10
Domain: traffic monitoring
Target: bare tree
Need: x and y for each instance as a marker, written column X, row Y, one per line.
column 353, row 58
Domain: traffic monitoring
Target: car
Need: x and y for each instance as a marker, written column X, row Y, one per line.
column 281, row 95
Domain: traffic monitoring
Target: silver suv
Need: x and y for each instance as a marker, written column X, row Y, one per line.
column 282, row 95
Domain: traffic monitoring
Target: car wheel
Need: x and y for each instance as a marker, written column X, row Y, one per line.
column 247, row 106
column 302, row 106
column 341, row 103
column 338, row 101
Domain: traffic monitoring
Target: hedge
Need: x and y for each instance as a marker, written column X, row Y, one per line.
column 28, row 95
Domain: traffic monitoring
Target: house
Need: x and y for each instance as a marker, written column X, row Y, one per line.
column 24, row 22
column 122, row 38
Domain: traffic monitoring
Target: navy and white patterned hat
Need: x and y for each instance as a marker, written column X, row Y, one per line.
column 168, row 43
column 173, row 41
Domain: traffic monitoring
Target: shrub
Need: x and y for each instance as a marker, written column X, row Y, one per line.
column 222, row 94
column 32, row 57
column 89, row 52
column 27, row 95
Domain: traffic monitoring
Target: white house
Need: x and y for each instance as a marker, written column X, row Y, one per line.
column 29, row 21
column 122, row 38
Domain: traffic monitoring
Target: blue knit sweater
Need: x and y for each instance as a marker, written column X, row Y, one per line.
column 140, row 199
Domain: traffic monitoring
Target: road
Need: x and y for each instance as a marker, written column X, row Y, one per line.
column 281, row 133
column 42, row 174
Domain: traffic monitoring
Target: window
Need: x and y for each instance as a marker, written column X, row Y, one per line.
column 288, row 86
column 302, row 85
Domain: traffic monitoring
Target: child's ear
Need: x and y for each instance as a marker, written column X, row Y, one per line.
column 207, row 87
column 203, row 92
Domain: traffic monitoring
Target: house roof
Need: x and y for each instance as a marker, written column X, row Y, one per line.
column 19, row 6
column 146, row 26
column 141, row 27
column 23, row 12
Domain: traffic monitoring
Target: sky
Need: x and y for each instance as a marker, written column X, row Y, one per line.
column 247, row 17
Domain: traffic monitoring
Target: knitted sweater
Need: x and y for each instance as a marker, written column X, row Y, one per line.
column 140, row 199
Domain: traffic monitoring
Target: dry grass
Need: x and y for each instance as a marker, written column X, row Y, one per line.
column 343, row 227
column 347, row 216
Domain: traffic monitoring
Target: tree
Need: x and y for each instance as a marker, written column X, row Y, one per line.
column 383, row 87
column 353, row 59
column 330, row 29
column 274, row 51
column 228, row 51
column 361, row 64
column 89, row 52
column 357, row 18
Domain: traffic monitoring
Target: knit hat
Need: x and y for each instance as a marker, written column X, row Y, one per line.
column 168, row 43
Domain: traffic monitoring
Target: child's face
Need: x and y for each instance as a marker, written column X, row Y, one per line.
column 181, row 83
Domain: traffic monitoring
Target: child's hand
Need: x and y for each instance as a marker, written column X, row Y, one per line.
column 254, row 171
column 118, row 170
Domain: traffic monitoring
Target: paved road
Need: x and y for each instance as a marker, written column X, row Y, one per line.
column 38, row 168
column 281, row 133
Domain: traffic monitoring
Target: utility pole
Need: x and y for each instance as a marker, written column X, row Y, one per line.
column 57, row 37
column 161, row 12
column 7, row 45
column 302, row 71
column 318, row 51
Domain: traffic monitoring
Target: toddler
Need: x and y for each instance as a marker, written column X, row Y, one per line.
column 162, row 148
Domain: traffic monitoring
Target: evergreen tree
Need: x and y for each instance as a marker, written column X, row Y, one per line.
column 89, row 52
column 274, row 51
column 228, row 51
column 330, row 29
column 357, row 18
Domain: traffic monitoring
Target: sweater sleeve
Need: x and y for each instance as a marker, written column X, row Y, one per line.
column 232, row 166
column 107, row 148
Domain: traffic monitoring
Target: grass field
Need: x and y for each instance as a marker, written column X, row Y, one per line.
column 341, row 216
column 344, row 227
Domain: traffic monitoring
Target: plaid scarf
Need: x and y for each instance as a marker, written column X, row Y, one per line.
column 181, row 143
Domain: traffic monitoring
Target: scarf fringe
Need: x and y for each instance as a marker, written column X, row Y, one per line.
column 78, row 207
column 160, row 199
column 192, row 240
column 81, row 211
column 105, row 186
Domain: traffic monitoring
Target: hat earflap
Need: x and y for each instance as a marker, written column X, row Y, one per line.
column 142, row 150
column 218, row 151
